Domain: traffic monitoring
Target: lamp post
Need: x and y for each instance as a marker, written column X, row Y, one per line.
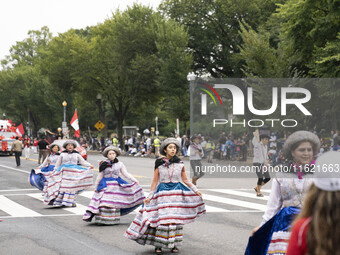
column 191, row 78
column 28, row 123
column 156, row 119
column 64, row 123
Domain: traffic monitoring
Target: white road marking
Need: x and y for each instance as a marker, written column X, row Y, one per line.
column 14, row 209
column 213, row 209
column 88, row 194
column 79, row 210
column 239, row 193
column 234, row 202
column 15, row 169
column 10, row 190
column 41, row 215
column 262, row 190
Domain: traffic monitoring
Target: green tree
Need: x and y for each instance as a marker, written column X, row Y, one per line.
column 122, row 62
column 128, row 62
column 175, row 63
column 61, row 59
column 213, row 27
column 261, row 58
column 24, row 89
column 26, row 52
column 309, row 26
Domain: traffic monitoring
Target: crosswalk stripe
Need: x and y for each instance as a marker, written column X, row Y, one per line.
column 211, row 209
column 14, row 190
column 234, row 202
column 88, row 194
column 79, row 210
column 14, row 209
column 239, row 193
column 15, row 169
column 252, row 190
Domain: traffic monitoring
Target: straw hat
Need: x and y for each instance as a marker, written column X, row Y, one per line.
column 168, row 141
column 111, row 148
column 70, row 142
column 301, row 136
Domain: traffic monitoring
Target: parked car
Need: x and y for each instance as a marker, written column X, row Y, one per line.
column 82, row 151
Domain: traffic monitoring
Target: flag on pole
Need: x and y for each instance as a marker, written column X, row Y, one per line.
column 75, row 124
column 20, row 130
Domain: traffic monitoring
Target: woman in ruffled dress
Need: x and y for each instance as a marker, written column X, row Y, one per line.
column 286, row 196
column 113, row 196
column 39, row 176
column 169, row 205
column 68, row 178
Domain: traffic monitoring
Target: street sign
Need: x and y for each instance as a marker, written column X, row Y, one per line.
column 99, row 125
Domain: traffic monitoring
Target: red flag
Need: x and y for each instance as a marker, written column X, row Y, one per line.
column 75, row 124
column 20, row 130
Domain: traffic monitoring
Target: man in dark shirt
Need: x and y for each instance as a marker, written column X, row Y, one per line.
column 42, row 147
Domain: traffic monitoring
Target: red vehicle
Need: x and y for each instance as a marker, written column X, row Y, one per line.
column 7, row 137
column 82, row 151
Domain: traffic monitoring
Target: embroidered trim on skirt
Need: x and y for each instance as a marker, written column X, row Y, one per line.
column 164, row 236
column 279, row 243
column 107, row 216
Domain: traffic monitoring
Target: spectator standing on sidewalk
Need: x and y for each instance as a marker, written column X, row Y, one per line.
column 148, row 143
column 27, row 145
column 35, row 145
column 222, row 140
column 209, row 147
column 157, row 144
column 17, row 149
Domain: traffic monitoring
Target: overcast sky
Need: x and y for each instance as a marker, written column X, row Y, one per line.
column 17, row 17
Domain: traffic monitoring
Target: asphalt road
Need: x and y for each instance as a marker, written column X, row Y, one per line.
column 29, row 227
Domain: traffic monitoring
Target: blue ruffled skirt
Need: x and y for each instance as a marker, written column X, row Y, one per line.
column 258, row 243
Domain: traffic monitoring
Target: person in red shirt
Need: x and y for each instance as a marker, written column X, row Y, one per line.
column 317, row 229
column 27, row 144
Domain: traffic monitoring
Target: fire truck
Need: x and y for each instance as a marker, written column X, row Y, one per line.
column 7, row 136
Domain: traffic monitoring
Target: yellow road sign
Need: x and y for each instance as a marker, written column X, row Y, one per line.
column 99, row 125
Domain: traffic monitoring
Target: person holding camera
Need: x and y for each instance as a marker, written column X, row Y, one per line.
column 260, row 160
